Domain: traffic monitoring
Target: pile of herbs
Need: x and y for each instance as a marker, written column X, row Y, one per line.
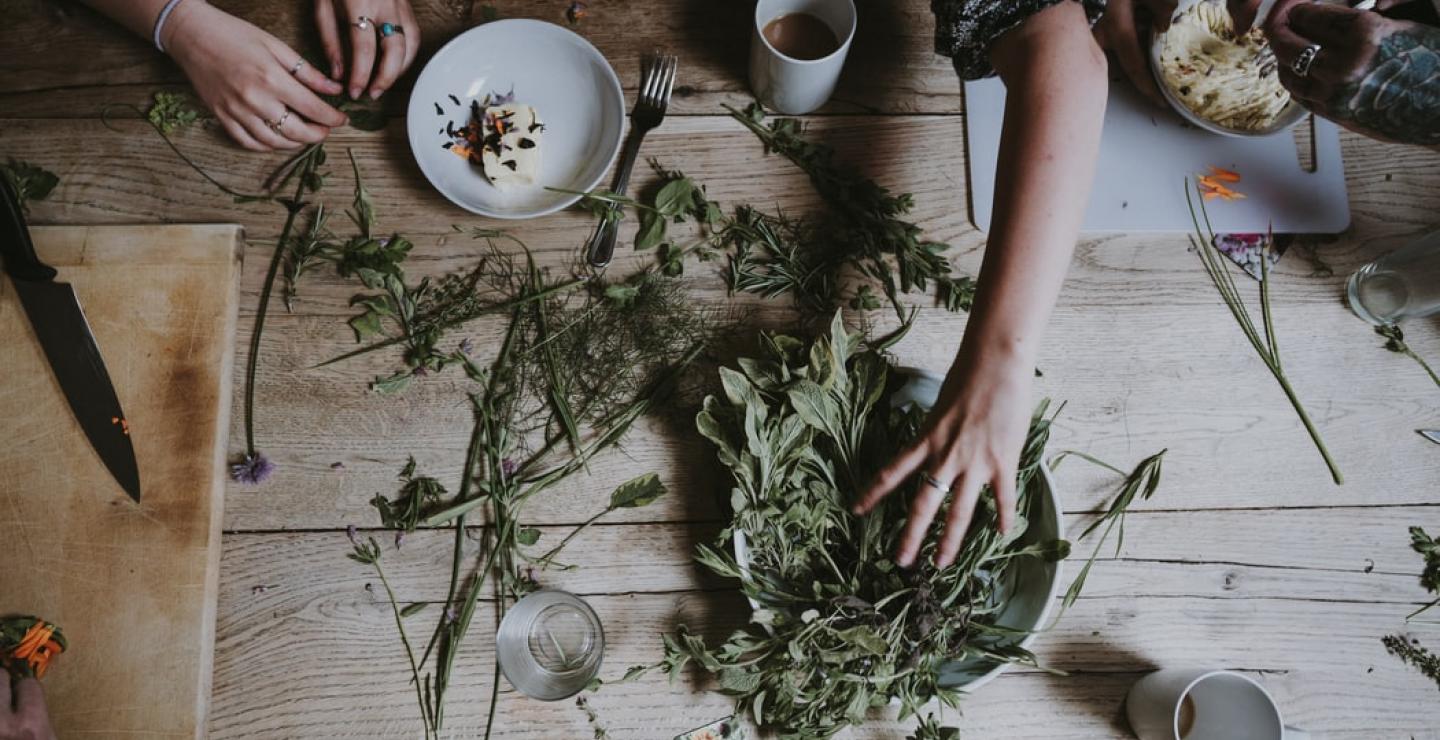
column 841, row 628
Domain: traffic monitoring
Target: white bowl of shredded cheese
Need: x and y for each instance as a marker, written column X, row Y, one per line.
column 1217, row 79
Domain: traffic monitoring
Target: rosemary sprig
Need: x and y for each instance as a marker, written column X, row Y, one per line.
column 1266, row 345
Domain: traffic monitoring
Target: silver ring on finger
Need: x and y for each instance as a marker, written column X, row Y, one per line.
column 391, row 29
column 278, row 124
column 935, row 483
column 363, row 22
column 1303, row 61
column 296, row 67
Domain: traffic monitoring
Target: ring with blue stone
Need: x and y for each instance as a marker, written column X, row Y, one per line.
column 390, row 29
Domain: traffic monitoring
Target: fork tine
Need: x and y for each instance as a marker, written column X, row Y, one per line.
column 651, row 90
column 671, row 68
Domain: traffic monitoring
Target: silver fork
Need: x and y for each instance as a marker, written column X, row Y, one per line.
column 657, row 80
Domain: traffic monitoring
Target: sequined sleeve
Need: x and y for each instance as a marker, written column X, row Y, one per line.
column 965, row 29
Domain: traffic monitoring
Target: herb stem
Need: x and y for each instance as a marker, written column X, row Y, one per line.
column 293, row 209
column 409, row 653
column 512, row 303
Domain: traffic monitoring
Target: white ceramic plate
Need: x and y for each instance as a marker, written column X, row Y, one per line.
column 1033, row 586
column 574, row 91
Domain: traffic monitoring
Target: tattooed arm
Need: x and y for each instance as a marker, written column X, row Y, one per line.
column 1373, row 75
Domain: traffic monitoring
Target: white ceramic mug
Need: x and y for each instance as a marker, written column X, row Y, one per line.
column 797, row 86
column 1199, row 704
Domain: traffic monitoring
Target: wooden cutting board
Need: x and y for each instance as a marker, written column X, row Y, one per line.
column 132, row 586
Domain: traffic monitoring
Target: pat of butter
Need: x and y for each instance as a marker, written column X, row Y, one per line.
column 510, row 152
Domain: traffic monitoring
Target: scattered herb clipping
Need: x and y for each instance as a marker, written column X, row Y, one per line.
column 512, row 457
column 1408, row 649
column 1266, row 345
column 172, row 111
column 28, row 181
column 1395, row 342
column 870, row 230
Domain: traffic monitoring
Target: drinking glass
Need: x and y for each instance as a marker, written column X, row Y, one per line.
column 1403, row 284
column 550, row 644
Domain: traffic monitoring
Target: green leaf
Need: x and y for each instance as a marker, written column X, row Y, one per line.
column 364, row 213
column 637, row 492
column 393, row 384
column 527, row 535
column 414, row 608
column 365, row 117
column 652, row 231
column 738, row 681
column 622, row 294
column 815, row 407
column 366, row 325
column 865, row 639
column 675, row 198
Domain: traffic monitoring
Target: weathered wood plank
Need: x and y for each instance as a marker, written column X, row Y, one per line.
column 892, row 67
column 339, row 648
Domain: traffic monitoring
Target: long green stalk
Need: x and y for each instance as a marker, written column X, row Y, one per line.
column 1267, row 348
column 293, row 209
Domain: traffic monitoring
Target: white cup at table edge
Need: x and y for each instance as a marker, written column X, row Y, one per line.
column 798, row 86
column 1153, row 707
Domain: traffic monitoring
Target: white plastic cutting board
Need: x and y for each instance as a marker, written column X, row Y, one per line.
column 1146, row 156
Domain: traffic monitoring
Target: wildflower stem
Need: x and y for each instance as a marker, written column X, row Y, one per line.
column 293, row 209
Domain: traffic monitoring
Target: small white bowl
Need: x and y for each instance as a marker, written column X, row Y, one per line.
column 1292, row 114
column 1033, row 586
column 570, row 84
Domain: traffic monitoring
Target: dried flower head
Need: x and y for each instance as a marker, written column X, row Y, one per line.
column 252, row 470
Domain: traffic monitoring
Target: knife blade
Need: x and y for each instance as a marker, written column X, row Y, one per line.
column 64, row 334
column 1431, row 434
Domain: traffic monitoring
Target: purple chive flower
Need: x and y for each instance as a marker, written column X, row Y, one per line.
column 508, row 466
column 509, row 97
column 451, row 615
column 399, row 538
column 353, row 532
column 420, row 371
column 466, row 346
column 251, row 470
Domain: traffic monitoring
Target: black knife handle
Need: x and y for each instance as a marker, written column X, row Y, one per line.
column 17, row 252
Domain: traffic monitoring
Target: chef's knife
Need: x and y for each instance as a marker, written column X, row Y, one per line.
column 1431, row 434
column 64, row 334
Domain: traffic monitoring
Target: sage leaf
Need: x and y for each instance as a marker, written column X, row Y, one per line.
column 637, row 492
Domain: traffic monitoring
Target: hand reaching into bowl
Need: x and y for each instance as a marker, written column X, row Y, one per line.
column 1374, row 75
column 1121, row 31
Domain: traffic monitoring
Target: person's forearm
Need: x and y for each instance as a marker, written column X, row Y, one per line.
column 1055, row 78
column 140, row 15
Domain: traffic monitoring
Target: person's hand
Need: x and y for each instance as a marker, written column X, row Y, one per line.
column 245, row 77
column 971, row 439
column 1121, row 31
column 364, row 20
column 22, row 710
column 1371, row 74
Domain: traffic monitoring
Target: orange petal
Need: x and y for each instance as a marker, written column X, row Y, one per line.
column 1220, row 173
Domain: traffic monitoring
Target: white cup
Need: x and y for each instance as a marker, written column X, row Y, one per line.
column 1198, row 704
column 797, row 86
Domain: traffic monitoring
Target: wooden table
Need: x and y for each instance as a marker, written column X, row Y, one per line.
column 1248, row 558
